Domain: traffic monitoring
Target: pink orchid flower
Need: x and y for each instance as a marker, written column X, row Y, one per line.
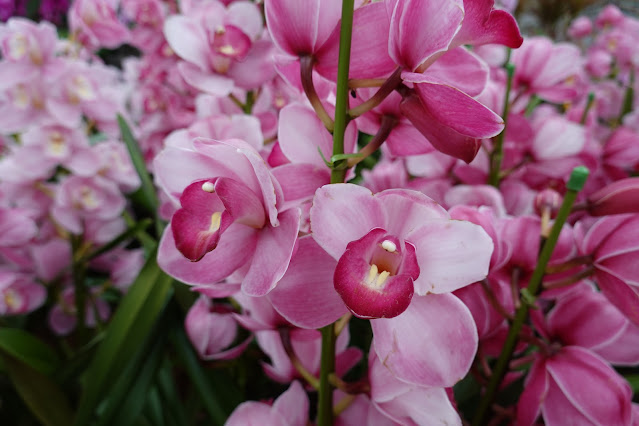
column 229, row 218
column 389, row 246
column 289, row 409
column 613, row 244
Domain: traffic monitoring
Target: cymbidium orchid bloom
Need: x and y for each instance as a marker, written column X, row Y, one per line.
column 289, row 409
column 221, row 47
column 571, row 377
column 390, row 246
column 613, row 244
column 230, row 205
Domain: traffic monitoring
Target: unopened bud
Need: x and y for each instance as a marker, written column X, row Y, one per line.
column 548, row 201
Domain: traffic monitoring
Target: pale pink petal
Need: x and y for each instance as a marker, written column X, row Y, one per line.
column 433, row 343
column 293, row 405
column 273, row 251
column 187, row 40
column 235, row 247
column 301, row 134
column 405, row 211
column 215, row 84
column 300, row 181
column 305, row 295
column 451, row 254
column 342, row 213
column 253, row 413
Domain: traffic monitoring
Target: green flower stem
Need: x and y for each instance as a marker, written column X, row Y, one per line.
column 589, row 103
column 576, row 182
column 338, row 174
column 341, row 102
column 498, row 150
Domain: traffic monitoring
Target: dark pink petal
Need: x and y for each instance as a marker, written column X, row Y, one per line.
column 590, row 385
column 418, row 29
column 451, row 254
column 534, row 394
column 442, row 138
column 369, row 47
column 305, row 295
column 623, row 296
column 623, row 349
column 257, row 171
column 484, row 25
column 405, row 140
column 454, row 108
column 619, row 197
column 432, row 343
column 461, row 69
column 197, row 226
column 342, row 213
column 584, row 318
column 273, row 251
column 241, row 203
column 234, row 249
column 300, row 28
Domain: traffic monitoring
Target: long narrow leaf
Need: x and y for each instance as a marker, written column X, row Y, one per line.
column 198, row 378
column 130, row 325
column 28, row 349
column 128, row 395
column 44, row 398
column 150, row 198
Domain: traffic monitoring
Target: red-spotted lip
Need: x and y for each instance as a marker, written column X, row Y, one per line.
column 374, row 277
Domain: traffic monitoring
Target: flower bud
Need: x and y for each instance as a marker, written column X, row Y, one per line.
column 548, row 200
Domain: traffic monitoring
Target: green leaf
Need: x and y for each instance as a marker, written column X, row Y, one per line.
column 44, row 398
column 212, row 403
column 28, row 349
column 151, row 201
column 128, row 395
column 130, row 325
column 633, row 379
column 146, row 194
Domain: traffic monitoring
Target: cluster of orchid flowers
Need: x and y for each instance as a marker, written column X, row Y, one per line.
column 457, row 138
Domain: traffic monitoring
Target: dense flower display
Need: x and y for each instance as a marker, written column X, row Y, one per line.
column 370, row 212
